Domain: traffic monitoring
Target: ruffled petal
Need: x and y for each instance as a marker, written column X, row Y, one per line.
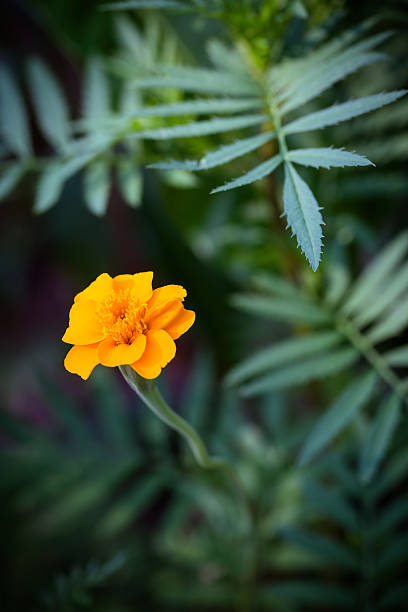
column 111, row 354
column 81, row 360
column 165, row 294
column 98, row 290
column 161, row 316
column 180, row 323
column 122, row 282
column 140, row 284
column 160, row 349
column 143, row 286
column 84, row 325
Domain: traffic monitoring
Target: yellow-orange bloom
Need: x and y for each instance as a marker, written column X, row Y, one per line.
column 123, row 321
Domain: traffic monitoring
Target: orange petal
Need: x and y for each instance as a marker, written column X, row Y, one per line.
column 84, row 326
column 161, row 316
column 98, row 290
column 160, row 349
column 123, row 281
column 180, row 323
column 168, row 293
column 143, row 286
column 111, row 354
column 81, row 360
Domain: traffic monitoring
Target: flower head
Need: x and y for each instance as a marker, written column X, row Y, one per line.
column 123, row 321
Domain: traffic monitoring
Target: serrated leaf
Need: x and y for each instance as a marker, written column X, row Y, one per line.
column 303, row 215
column 337, row 417
column 311, row 85
column 130, row 182
column 256, row 174
column 368, row 285
column 281, row 353
column 10, row 177
column 379, row 437
column 200, row 128
column 199, row 107
column 323, row 157
column 200, row 80
column 391, row 324
column 14, row 126
column 96, row 98
column 290, row 310
column 96, row 187
column 220, row 156
column 341, row 112
column 313, row 368
column 49, row 104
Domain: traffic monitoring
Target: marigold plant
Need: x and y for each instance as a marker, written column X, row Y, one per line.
column 123, row 321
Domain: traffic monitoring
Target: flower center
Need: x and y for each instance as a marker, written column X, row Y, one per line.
column 121, row 317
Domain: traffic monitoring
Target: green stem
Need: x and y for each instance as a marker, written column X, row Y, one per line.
column 360, row 341
column 148, row 392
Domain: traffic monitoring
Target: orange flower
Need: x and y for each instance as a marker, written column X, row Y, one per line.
column 123, row 321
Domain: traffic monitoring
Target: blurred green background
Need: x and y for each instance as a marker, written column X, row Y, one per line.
column 102, row 508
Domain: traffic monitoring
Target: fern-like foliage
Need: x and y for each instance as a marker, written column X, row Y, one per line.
column 348, row 328
column 93, row 144
column 233, row 96
column 279, row 92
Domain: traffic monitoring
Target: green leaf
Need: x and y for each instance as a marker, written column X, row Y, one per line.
column 303, row 215
column 198, row 393
column 314, row 83
column 390, row 291
column 321, row 546
column 325, row 364
column 280, row 353
column 200, row 128
column 220, row 156
column 394, row 554
column 299, row 311
column 337, row 417
column 14, row 126
column 96, row 98
column 130, row 182
column 366, row 289
column 306, row 594
column 51, row 181
column 338, row 280
column 200, row 80
column 225, row 58
column 341, row 112
column 10, row 177
column 392, row 324
column 96, row 187
column 256, row 174
column 397, row 357
column 391, row 518
column 324, row 157
column 49, row 104
column 49, row 188
column 198, row 107
column 379, row 437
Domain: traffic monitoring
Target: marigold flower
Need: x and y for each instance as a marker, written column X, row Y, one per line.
column 123, row 321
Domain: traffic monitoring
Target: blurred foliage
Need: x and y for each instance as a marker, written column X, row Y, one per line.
column 298, row 378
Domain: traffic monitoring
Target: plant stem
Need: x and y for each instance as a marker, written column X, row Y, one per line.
column 358, row 340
